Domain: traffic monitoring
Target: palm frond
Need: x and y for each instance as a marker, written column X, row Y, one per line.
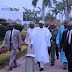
column 34, row 2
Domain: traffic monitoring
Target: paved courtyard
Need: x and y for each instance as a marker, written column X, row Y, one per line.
column 21, row 67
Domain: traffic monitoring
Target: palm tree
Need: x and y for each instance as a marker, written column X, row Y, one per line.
column 67, row 5
column 30, row 15
column 60, row 8
column 45, row 3
column 64, row 7
column 55, row 11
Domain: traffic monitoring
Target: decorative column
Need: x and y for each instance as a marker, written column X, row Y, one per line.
column 30, row 63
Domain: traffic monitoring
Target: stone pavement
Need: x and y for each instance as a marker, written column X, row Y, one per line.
column 21, row 67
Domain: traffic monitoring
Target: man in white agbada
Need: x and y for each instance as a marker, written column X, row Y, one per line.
column 41, row 42
column 28, row 38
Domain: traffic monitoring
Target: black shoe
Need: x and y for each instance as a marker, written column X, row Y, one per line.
column 41, row 69
column 10, row 68
column 65, row 67
column 52, row 64
column 58, row 57
column 14, row 66
column 38, row 63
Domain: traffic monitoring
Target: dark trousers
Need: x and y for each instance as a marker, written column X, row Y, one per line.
column 68, row 53
column 57, row 54
column 49, row 51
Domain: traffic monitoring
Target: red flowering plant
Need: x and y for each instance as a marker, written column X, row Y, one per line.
column 3, row 50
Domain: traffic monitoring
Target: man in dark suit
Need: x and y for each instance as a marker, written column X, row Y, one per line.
column 66, row 42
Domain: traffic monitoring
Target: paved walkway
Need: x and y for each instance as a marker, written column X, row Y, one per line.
column 21, row 67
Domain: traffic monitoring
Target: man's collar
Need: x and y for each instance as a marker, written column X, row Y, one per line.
column 52, row 29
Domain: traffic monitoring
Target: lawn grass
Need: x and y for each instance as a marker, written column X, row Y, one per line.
column 1, row 42
column 0, row 45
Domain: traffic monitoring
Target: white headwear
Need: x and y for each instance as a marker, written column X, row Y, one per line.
column 41, row 21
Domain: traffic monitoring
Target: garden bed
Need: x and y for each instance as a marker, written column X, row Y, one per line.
column 4, row 58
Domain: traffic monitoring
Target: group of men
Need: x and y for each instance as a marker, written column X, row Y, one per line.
column 42, row 41
column 64, row 38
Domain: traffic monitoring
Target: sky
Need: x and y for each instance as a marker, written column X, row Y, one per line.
column 22, row 3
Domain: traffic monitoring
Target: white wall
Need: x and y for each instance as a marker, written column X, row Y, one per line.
column 13, row 15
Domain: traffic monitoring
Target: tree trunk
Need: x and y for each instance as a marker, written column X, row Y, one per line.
column 43, row 11
column 65, row 13
column 67, row 5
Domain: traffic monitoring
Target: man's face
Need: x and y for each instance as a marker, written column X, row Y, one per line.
column 41, row 25
column 52, row 27
column 69, row 27
column 46, row 25
column 10, row 27
column 31, row 25
column 65, row 25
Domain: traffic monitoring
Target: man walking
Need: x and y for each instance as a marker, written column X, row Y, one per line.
column 53, row 42
column 41, row 42
column 58, row 39
column 47, row 25
column 13, row 40
column 66, row 42
column 30, row 31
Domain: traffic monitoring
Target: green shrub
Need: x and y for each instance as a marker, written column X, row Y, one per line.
column 4, row 23
column 1, row 42
column 2, row 20
column 2, row 31
column 23, row 35
column 4, row 58
column 18, row 26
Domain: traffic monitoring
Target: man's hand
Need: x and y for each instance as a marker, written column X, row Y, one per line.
column 3, row 46
column 58, row 45
column 59, row 50
column 19, row 49
column 31, row 46
column 49, row 48
column 27, row 45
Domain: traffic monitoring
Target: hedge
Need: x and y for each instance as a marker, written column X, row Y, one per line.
column 2, row 20
column 4, row 23
column 4, row 58
column 23, row 35
column 18, row 26
column 2, row 31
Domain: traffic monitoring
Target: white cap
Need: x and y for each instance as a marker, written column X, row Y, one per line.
column 41, row 21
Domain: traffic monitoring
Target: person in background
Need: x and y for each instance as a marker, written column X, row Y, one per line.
column 41, row 42
column 47, row 25
column 28, row 38
column 66, row 42
column 58, row 39
column 53, row 43
column 14, row 42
